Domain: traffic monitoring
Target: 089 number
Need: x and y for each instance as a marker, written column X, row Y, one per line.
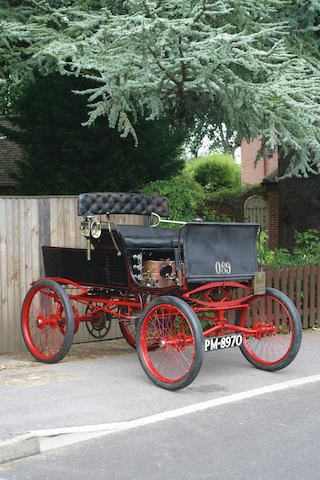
column 223, row 268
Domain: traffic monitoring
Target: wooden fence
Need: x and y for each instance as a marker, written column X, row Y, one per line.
column 302, row 285
column 26, row 224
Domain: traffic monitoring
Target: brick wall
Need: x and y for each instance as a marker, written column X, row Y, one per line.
column 272, row 196
column 224, row 210
column 251, row 174
column 274, row 209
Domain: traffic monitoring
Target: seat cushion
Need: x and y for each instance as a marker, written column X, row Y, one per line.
column 149, row 237
column 99, row 203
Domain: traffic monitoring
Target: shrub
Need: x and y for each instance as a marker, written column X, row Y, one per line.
column 215, row 172
column 305, row 251
column 184, row 194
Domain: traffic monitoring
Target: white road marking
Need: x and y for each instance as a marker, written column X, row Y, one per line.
column 58, row 437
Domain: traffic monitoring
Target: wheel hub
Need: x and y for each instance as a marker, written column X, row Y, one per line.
column 42, row 322
column 262, row 330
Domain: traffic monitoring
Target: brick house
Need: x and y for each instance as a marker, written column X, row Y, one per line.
column 9, row 153
column 252, row 173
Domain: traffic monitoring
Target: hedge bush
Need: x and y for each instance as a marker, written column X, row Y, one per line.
column 184, row 194
column 305, row 251
column 215, row 172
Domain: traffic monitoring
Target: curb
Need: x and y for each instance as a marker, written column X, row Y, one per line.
column 19, row 447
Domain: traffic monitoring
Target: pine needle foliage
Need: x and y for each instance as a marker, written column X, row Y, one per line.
column 252, row 65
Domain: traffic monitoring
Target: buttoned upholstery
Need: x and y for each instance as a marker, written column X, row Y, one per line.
column 122, row 203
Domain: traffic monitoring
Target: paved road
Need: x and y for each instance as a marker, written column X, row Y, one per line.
column 270, row 437
column 108, row 390
column 116, row 389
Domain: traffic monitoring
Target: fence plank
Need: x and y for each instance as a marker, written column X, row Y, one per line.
column 312, row 295
column 284, row 280
column 291, row 283
column 298, row 289
column 268, row 275
column 305, row 295
column 4, row 318
column 318, row 293
column 276, row 278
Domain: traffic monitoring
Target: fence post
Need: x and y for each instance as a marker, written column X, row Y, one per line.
column 312, row 295
column 305, row 295
column 298, row 289
column 318, row 293
column 291, row 283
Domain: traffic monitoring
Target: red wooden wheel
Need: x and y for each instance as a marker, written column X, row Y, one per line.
column 128, row 329
column 278, row 330
column 47, row 321
column 170, row 344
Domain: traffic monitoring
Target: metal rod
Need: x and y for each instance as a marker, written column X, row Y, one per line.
column 161, row 220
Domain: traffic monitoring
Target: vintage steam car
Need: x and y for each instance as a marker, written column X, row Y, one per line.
column 176, row 292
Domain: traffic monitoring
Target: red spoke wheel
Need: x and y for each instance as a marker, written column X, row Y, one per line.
column 128, row 326
column 278, row 330
column 171, row 343
column 47, row 321
column 128, row 330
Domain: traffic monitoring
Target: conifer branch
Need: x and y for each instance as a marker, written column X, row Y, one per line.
column 153, row 53
column 203, row 9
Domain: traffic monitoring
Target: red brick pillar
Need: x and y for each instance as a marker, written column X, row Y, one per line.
column 274, row 208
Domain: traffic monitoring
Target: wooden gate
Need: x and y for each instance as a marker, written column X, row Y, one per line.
column 256, row 210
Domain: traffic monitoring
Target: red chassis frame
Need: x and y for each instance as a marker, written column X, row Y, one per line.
column 202, row 307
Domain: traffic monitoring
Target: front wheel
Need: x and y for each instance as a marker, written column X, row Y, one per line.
column 47, row 321
column 170, row 343
column 278, row 330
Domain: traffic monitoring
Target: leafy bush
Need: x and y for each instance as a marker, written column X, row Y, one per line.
column 215, row 172
column 184, row 194
column 305, row 251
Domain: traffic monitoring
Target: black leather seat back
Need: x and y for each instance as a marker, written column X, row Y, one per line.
column 122, row 203
column 149, row 237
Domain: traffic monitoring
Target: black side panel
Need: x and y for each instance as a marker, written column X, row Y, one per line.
column 104, row 268
column 220, row 251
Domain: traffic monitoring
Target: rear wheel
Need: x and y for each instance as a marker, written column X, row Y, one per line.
column 129, row 331
column 47, row 321
column 279, row 330
column 170, row 343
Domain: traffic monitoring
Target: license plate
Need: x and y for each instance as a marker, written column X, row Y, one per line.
column 225, row 341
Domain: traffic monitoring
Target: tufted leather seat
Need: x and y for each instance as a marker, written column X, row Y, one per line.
column 148, row 237
column 122, row 203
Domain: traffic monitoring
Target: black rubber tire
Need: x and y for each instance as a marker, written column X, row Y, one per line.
column 145, row 353
column 130, row 336
column 296, row 335
column 29, row 321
